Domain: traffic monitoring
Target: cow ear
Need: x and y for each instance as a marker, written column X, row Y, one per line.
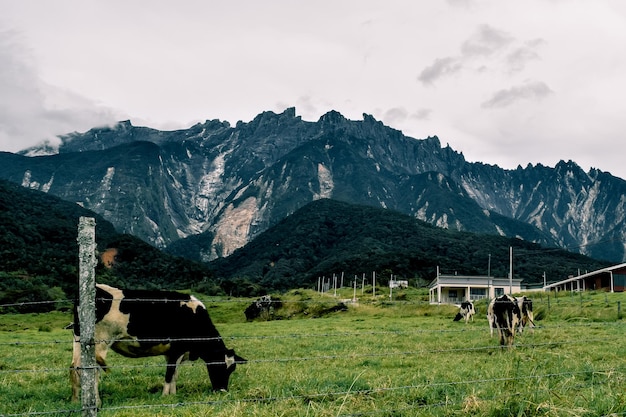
column 230, row 360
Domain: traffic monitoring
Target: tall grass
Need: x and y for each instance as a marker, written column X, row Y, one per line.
column 378, row 358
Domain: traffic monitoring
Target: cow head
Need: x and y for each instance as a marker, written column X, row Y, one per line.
column 220, row 369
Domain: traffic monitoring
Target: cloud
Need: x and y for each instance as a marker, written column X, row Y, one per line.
column 488, row 47
column 395, row 115
column 486, row 41
column 460, row 3
column 520, row 56
column 422, row 114
column 532, row 90
column 440, row 68
column 31, row 110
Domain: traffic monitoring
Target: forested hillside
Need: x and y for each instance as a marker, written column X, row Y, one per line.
column 329, row 237
column 39, row 253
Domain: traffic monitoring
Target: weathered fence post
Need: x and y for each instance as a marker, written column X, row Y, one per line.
column 87, row 314
column 581, row 300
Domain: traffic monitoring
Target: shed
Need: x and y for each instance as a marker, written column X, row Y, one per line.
column 612, row 278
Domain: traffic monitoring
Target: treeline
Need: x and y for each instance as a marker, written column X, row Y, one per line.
column 329, row 237
column 39, row 254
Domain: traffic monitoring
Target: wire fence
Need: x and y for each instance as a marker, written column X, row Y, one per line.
column 459, row 333
column 604, row 335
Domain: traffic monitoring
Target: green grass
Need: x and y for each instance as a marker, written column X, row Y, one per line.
column 379, row 358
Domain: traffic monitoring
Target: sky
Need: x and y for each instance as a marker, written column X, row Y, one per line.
column 504, row 82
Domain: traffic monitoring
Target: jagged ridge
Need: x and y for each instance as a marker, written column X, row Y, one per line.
column 235, row 182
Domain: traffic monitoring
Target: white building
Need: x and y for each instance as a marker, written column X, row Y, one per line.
column 454, row 289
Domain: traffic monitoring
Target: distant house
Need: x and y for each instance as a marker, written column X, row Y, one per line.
column 611, row 279
column 454, row 289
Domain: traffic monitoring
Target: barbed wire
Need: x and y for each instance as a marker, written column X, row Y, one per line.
column 464, row 329
column 342, row 356
column 461, row 329
column 315, row 395
column 330, row 299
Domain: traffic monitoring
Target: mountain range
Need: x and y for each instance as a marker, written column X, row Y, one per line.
column 228, row 184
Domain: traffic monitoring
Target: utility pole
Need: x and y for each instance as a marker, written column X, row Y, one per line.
column 374, row 284
column 489, row 278
column 510, row 270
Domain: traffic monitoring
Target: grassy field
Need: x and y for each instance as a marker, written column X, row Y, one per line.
column 378, row 358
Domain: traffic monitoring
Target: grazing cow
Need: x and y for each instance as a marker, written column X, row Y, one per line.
column 137, row 324
column 525, row 305
column 466, row 311
column 504, row 315
column 265, row 306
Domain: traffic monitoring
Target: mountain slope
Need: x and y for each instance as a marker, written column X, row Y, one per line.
column 329, row 237
column 236, row 182
column 39, row 252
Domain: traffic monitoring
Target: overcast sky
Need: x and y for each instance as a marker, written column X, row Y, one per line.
column 503, row 82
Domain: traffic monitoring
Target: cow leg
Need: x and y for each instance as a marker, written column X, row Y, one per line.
column 171, row 374
column 509, row 337
column 500, row 334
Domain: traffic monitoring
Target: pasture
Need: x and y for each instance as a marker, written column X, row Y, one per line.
column 378, row 358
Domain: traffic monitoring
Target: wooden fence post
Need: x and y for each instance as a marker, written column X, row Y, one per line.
column 87, row 314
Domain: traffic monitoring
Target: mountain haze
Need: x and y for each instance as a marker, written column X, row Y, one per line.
column 236, row 182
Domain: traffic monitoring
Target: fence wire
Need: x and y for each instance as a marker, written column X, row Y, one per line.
column 572, row 301
column 317, row 395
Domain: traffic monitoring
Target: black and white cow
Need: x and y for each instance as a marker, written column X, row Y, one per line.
column 466, row 311
column 138, row 323
column 262, row 307
column 527, row 319
column 504, row 315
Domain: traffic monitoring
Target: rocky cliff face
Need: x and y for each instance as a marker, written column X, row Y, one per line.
column 232, row 183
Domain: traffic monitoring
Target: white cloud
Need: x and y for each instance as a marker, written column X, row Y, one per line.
column 440, row 68
column 531, row 90
column 486, row 41
column 32, row 111
column 488, row 48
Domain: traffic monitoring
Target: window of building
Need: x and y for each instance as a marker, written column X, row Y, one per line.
column 452, row 293
column 498, row 291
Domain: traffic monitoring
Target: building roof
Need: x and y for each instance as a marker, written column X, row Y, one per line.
column 586, row 275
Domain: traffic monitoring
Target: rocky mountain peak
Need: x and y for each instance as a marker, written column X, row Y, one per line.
column 235, row 182
column 332, row 118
